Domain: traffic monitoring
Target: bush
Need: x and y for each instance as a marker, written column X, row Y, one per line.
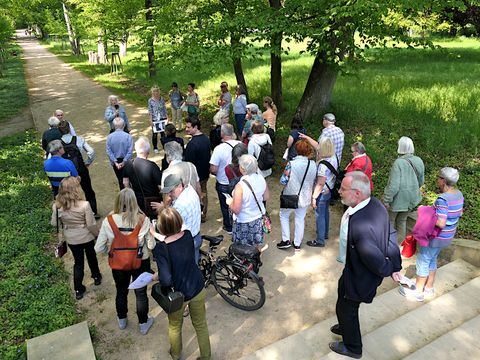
column 36, row 297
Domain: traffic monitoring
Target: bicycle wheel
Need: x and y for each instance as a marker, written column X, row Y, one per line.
column 205, row 266
column 238, row 285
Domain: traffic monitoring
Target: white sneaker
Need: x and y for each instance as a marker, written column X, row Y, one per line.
column 122, row 323
column 428, row 293
column 146, row 326
column 411, row 294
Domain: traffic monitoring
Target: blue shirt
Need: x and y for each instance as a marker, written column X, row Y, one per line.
column 157, row 109
column 119, row 145
column 57, row 168
column 110, row 115
column 240, row 105
column 182, row 273
column 176, row 99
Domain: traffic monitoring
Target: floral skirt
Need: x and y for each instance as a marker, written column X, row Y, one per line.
column 250, row 233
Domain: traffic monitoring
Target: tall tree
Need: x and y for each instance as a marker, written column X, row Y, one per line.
column 276, row 59
column 72, row 35
column 149, row 38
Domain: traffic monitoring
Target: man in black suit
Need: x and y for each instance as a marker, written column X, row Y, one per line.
column 370, row 258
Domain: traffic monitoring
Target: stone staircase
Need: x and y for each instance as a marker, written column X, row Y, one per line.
column 445, row 327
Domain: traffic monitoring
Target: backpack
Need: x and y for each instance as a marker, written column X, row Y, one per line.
column 266, row 158
column 72, row 152
column 338, row 180
column 125, row 252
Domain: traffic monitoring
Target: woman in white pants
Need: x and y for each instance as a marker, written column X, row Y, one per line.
column 298, row 178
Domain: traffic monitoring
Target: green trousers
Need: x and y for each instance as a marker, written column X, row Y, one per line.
column 199, row 321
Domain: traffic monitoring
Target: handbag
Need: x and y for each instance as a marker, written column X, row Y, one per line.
column 291, row 201
column 147, row 200
column 409, row 246
column 168, row 299
column 266, row 221
column 61, row 248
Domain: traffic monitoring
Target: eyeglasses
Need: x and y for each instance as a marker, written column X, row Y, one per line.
column 441, row 177
column 223, row 86
column 343, row 189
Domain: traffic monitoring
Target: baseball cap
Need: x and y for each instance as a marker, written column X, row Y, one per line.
column 329, row 117
column 253, row 108
column 171, row 182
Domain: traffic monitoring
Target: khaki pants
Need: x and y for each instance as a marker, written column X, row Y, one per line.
column 199, row 321
column 177, row 118
column 399, row 221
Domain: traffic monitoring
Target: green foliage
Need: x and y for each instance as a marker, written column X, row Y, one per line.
column 6, row 29
column 13, row 87
column 36, row 298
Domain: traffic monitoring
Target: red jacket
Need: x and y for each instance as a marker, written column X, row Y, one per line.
column 358, row 163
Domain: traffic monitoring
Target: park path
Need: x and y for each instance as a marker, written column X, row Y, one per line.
column 301, row 287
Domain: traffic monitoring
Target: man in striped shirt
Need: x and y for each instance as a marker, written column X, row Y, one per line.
column 333, row 132
column 57, row 168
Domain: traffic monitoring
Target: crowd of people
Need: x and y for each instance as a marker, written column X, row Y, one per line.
column 161, row 208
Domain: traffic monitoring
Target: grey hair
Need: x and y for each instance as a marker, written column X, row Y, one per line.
column 359, row 147
column 111, row 97
column 54, row 146
column 220, row 116
column 329, row 117
column 142, row 145
column 53, row 121
column 405, row 146
column 173, row 151
column 450, row 175
column 118, row 123
column 360, row 182
column 248, row 163
column 226, row 130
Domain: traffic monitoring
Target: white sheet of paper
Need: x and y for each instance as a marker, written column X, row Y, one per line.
column 406, row 282
column 143, row 280
column 228, row 196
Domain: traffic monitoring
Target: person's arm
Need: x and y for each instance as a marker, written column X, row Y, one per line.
column 236, row 203
column 215, row 160
column 72, row 168
column 319, row 184
column 286, row 174
column 72, row 130
column 90, row 153
column 213, row 169
column 290, row 141
column 53, row 219
column 109, row 114
column 441, row 209
column 109, row 151
column 129, row 154
column 101, row 245
column 393, row 185
column 90, row 220
column 266, row 194
column 164, row 274
column 190, row 153
column 311, row 141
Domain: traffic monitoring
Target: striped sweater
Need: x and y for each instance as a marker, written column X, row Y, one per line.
column 450, row 207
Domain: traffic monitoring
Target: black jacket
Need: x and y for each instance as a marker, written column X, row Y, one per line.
column 370, row 254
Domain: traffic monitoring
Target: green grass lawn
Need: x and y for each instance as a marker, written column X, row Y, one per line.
column 432, row 96
column 13, row 87
column 34, row 288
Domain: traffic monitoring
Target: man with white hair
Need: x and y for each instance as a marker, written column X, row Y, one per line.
column 53, row 133
column 371, row 256
column 119, row 149
column 57, row 168
column 60, row 116
column 115, row 110
column 221, row 157
column 144, row 177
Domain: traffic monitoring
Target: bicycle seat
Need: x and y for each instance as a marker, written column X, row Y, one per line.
column 214, row 240
column 244, row 250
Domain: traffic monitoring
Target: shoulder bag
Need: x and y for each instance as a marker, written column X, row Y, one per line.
column 61, row 248
column 291, row 201
column 266, row 222
column 168, row 299
column 414, row 169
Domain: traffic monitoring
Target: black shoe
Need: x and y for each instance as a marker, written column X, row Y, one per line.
column 96, row 216
column 284, row 244
column 336, row 329
column 98, row 280
column 229, row 232
column 339, row 348
column 313, row 243
column 296, row 247
column 79, row 294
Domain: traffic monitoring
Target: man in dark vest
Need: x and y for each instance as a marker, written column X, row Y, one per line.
column 370, row 258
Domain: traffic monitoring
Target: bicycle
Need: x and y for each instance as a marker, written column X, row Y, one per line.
column 234, row 276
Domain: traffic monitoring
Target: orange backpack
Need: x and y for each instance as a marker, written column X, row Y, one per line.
column 125, row 252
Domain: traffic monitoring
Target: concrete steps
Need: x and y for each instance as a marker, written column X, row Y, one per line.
column 386, row 315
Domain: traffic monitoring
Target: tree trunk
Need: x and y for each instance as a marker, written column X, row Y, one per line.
column 102, row 48
column 276, row 64
column 318, row 91
column 149, row 40
column 123, row 45
column 74, row 41
column 237, row 63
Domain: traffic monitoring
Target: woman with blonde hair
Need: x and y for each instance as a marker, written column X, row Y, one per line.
column 158, row 115
column 175, row 257
column 79, row 229
column 128, row 219
column 322, row 190
column 270, row 114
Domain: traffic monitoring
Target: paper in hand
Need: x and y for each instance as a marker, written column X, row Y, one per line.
column 407, row 283
column 143, row 280
column 227, row 196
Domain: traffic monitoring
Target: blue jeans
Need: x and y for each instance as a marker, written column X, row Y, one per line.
column 427, row 260
column 240, row 121
column 227, row 222
column 197, row 241
column 322, row 217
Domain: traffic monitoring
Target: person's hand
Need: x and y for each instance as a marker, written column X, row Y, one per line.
column 302, row 136
column 155, row 276
column 387, row 206
column 229, row 201
column 152, row 228
column 156, row 205
column 117, row 113
column 396, row 276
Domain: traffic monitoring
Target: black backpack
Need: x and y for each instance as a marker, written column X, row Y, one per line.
column 266, row 158
column 72, row 152
column 338, row 180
